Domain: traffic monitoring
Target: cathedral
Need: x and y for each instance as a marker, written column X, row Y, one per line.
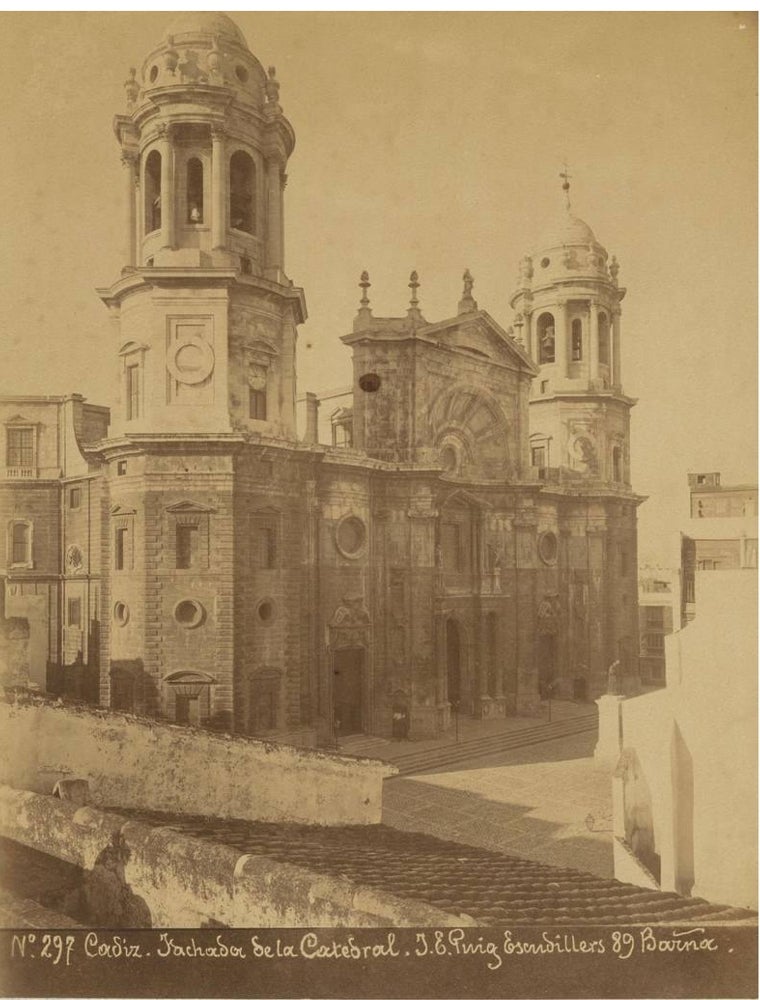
column 464, row 542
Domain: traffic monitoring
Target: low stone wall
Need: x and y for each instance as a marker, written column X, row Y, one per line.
column 145, row 764
column 166, row 879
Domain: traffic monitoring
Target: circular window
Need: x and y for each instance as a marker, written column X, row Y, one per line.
column 369, row 382
column 241, row 73
column 188, row 614
column 153, row 74
column 545, row 262
column 350, row 535
column 547, row 547
column 120, row 613
column 265, row 612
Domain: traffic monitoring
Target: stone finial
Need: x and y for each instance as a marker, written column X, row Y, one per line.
column 519, row 324
column 272, row 89
column 132, row 87
column 363, row 316
column 171, row 58
column 364, row 284
column 467, row 303
column 414, row 304
column 614, row 269
column 526, row 268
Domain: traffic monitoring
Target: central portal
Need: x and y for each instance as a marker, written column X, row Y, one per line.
column 348, row 675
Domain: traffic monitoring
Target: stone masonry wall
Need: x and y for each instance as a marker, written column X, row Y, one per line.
column 142, row 764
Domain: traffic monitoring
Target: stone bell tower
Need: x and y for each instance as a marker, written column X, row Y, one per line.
column 204, row 317
column 203, row 327
column 567, row 307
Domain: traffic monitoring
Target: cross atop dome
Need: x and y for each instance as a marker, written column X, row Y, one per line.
column 565, row 175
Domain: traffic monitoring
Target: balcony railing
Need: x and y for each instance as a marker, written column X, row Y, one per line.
column 21, row 472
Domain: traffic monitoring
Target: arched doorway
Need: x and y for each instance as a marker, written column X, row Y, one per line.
column 453, row 661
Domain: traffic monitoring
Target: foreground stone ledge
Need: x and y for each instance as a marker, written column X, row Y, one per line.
column 184, row 882
column 145, row 764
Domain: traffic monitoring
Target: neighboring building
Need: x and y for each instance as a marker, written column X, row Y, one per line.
column 659, row 614
column 685, row 790
column 52, row 504
column 464, row 538
column 721, row 535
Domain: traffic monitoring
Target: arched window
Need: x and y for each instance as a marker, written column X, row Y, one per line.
column 545, row 332
column 617, row 465
column 242, row 190
column 153, row 191
column 577, row 340
column 194, row 190
column 604, row 339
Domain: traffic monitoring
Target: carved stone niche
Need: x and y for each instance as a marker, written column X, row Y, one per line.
column 350, row 624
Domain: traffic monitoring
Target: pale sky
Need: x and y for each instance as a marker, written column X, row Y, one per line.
column 431, row 142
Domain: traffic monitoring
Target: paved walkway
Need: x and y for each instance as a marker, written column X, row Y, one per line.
column 544, row 801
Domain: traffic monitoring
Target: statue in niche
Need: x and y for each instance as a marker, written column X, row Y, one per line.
column 615, row 679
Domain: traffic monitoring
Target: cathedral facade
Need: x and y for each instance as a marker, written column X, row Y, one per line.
column 466, row 542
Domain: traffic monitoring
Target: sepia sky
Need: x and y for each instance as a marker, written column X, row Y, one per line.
column 434, row 142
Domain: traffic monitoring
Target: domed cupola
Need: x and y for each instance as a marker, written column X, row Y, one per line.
column 206, row 143
column 567, row 307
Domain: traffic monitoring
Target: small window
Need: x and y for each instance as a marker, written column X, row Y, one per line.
column 194, row 191
column 121, row 613
column 187, row 541
column 75, row 498
column 655, row 617
column 20, row 447
column 75, row 612
column 245, row 265
column 132, row 378
column 577, row 340
column 257, row 404
column 538, row 456
column 265, row 542
column 120, row 548
column 265, row 612
column 544, row 387
column 188, row 613
column 20, row 543
column 121, row 467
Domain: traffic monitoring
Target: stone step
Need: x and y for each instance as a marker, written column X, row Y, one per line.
column 426, row 760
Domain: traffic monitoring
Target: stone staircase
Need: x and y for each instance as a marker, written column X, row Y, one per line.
column 431, row 758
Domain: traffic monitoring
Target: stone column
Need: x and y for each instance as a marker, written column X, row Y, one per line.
column 129, row 163
column 560, row 343
column 274, row 242
column 484, row 700
column 443, row 709
column 167, row 187
column 617, row 377
column 218, row 189
column 593, row 336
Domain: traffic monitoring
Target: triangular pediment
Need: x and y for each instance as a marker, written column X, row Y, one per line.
column 19, row 419
column 188, row 507
column 463, row 498
column 479, row 335
column 119, row 509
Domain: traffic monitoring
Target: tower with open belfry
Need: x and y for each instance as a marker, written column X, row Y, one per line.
column 452, row 534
